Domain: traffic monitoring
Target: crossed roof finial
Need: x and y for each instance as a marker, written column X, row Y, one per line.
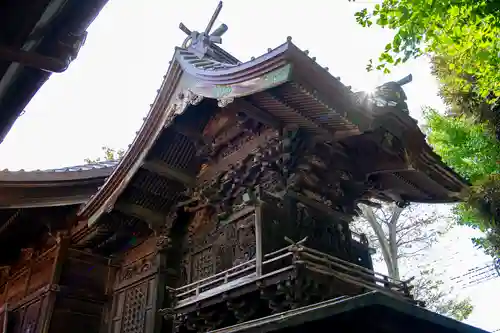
column 200, row 43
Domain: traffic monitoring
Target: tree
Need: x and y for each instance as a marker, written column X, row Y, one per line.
column 110, row 154
column 472, row 149
column 402, row 234
column 436, row 297
column 463, row 38
column 466, row 32
column 465, row 102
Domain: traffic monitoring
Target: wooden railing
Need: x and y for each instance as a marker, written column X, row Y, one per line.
column 245, row 269
column 329, row 265
column 287, row 258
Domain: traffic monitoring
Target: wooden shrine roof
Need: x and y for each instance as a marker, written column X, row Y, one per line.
column 152, row 176
column 379, row 313
column 33, row 203
column 54, row 187
column 282, row 87
column 43, row 35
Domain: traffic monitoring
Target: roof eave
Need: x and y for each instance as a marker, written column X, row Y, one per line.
column 330, row 308
column 160, row 114
column 20, row 83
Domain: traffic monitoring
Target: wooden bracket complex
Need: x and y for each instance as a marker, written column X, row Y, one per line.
column 35, row 60
column 69, row 46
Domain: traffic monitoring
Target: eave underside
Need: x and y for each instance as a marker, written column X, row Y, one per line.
column 159, row 184
column 370, row 312
column 38, row 27
column 147, row 187
column 30, row 229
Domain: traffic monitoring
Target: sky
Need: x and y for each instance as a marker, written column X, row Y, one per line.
column 107, row 91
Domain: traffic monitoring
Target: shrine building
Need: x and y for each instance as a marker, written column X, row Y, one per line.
column 230, row 210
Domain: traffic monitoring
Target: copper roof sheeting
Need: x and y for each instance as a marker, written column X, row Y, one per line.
column 53, row 187
column 78, row 172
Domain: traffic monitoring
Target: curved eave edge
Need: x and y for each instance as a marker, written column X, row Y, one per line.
column 158, row 117
column 43, row 178
column 212, row 79
column 48, row 202
column 444, row 169
column 210, row 69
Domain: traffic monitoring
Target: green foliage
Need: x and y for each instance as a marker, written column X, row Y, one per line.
column 466, row 32
column 472, row 150
column 437, row 298
column 462, row 100
column 109, row 154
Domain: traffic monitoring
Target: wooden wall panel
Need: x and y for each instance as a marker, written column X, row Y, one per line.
column 83, row 281
column 83, row 271
column 134, row 308
column 29, row 317
column 28, row 277
column 41, row 273
column 137, row 264
column 77, row 315
column 136, row 289
column 16, row 287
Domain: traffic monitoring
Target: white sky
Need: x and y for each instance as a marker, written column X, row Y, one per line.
column 102, row 98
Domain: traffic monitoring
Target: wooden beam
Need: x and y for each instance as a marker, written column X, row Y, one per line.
column 254, row 112
column 191, row 134
column 318, row 205
column 343, row 134
column 162, row 169
column 10, row 221
column 34, row 60
column 152, row 218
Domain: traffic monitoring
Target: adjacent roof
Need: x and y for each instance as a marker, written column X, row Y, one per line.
column 380, row 313
column 53, row 187
column 32, row 202
column 43, row 34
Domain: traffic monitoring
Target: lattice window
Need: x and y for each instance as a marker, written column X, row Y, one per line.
column 134, row 310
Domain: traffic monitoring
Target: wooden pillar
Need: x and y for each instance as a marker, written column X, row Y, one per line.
column 258, row 238
column 63, row 241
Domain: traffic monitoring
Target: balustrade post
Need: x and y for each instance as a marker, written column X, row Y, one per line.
column 258, row 239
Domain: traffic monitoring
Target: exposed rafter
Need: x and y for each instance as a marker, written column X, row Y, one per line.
column 152, row 218
column 254, row 112
column 162, row 169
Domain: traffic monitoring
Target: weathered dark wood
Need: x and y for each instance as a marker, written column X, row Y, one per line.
column 135, row 296
column 232, row 162
column 168, row 172
column 152, row 218
column 252, row 111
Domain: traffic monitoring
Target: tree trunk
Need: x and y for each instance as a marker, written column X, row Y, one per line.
column 379, row 233
column 389, row 246
column 393, row 242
